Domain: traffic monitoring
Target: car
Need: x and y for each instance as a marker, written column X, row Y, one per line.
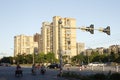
column 68, row 65
column 53, row 66
column 5, row 64
column 96, row 64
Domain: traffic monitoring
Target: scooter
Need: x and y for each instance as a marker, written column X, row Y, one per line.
column 33, row 71
column 42, row 71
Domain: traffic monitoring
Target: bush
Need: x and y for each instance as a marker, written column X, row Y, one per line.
column 115, row 76
column 71, row 75
column 98, row 76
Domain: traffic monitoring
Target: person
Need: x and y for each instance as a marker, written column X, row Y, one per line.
column 18, row 67
column 33, row 69
column 38, row 66
column 18, row 70
column 43, row 69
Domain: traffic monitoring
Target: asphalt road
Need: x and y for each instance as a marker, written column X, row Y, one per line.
column 94, row 70
column 8, row 73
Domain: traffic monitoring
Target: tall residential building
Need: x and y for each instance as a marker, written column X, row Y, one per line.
column 80, row 47
column 45, row 33
column 66, row 38
column 51, row 36
column 24, row 45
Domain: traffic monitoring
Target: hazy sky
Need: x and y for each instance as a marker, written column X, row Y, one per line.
column 26, row 17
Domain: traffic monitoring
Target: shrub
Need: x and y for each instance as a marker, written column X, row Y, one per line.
column 115, row 76
column 98, row 76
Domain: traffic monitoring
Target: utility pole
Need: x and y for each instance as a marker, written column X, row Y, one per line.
column 88, row 29
column 60, row 46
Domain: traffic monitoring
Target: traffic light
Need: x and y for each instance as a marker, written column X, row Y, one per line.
column 90, row 29
column 107, row 30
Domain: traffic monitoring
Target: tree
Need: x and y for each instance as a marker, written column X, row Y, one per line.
column 40, row 57
column 29, row 58
column 7, row 60
column 78, row 59
column 65, row 59
column 50, row 57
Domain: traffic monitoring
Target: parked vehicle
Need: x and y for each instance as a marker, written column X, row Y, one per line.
column 96, row 64
column 5, row 64
column 67, row 65
column 54, row 66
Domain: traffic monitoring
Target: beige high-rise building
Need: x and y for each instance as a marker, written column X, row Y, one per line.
column 52, row 38
column 45, row 33
column 24, row 45
column 68, row 41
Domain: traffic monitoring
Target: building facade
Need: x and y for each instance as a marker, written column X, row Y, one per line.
column 51, row 36
column 24, row 45
column 80, row 48
column 114, row 49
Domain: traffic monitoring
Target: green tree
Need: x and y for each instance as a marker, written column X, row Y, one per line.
column 78, row 59
column 40, row 57
column 65, row 59
column 92, row 57
column 7, row 60
column 29, row 58
column 19, row 59
column 50, row 57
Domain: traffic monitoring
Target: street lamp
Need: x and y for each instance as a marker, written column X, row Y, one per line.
column 60, row 45
column 35, row 52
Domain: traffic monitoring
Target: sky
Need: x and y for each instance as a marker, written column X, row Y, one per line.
column 26, row 17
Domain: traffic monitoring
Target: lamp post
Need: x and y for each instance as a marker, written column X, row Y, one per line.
column 33, row 57
column 34, row 52
column 60, row 45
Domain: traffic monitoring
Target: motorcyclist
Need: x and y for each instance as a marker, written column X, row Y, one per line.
column 43, row 70
column 18, row 70
column 33, row 69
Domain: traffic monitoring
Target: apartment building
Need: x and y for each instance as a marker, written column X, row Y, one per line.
column 53, row 38
column 45, row 34
column 114, row 48
column 37, row 38
column 24, row 45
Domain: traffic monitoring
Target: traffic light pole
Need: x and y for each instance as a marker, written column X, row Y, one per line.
column 89, row 29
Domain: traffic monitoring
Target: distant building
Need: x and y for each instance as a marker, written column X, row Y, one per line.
column 80, row 47
column 24, row 45
column 114, row 48
column 88, row 52
column 37, row 38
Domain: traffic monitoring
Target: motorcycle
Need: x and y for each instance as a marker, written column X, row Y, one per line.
column 33, row 71
column 43, row 71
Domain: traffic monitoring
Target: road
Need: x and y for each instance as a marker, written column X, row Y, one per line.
column 7, row 73
column 94, row 70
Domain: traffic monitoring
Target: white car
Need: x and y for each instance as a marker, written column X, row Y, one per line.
column 96, row 64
